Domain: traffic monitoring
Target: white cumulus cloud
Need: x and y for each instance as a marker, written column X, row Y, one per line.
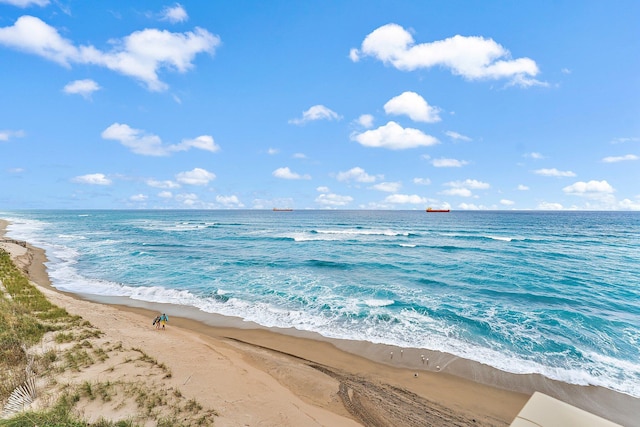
column 187, row 199
column 286, row 173
column 333, row 200
column 174, row 14
column 623, row 140
column 389, row 187
column 138, row 198
column 140, row 55
column 471, row 207
column 462, row 192
column 162, row 184
column 615, row 159
column 83, row 88
column 135, row 139
column 366, row 121
column 317, row 112
column 630, row 204
column 554, row 172
column 457, row 136
column 406, row 199
column 92, row 179
column 550, row 206
column 422, row 181
column 26, row 3
column 229, row 201
column 151, row 145
column 589, row 189
column 355, row 174
column 197, row 176
column 472, row 57
column 6, row 135
column 414, row 106
column 394, row 137
column 448, row 163
column 203, row 142
column 474, row 184
column 463, row 188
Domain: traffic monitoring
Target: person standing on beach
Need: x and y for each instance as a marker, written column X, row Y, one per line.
column 164, row 319
column 156, row 322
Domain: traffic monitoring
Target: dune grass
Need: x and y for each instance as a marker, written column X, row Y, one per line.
column 26, row 316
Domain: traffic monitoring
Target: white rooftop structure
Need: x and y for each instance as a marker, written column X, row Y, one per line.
column 545, row 411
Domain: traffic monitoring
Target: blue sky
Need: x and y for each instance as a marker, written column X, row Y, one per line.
column 320, row 104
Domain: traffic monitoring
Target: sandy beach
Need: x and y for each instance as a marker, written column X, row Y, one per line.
column 252, row 376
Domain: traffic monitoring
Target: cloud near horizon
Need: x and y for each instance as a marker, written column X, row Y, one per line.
column 229, row 201
column 554, row 172
column 196, row 176
column 162, row 184
column 286, row 173
column 592, row 188
column 463, row 188
column 140, row 55
column 356, row 174
column 406, row 199
column 448, row 163
column 333, row 200
column 92, row 179
column 388, row 187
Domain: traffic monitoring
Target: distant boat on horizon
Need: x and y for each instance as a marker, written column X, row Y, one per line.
column 282, row 209
column 438, row 210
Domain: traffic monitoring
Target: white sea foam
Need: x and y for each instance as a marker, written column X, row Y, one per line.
column 378, row 302
column 342, row 234
column 70, row 236
column 363, row 232
column 501, row 238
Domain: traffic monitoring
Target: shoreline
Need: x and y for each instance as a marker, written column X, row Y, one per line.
column 468, row 388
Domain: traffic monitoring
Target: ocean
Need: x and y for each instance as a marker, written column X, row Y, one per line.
column 550, row 293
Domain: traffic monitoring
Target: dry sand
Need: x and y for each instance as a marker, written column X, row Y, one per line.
column 253, row 376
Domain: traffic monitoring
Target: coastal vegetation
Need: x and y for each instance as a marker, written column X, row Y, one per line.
column 44, row 352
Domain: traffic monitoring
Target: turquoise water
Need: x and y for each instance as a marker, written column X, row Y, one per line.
column 555, row 293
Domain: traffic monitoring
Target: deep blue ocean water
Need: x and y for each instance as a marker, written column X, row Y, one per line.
column 554, row 293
